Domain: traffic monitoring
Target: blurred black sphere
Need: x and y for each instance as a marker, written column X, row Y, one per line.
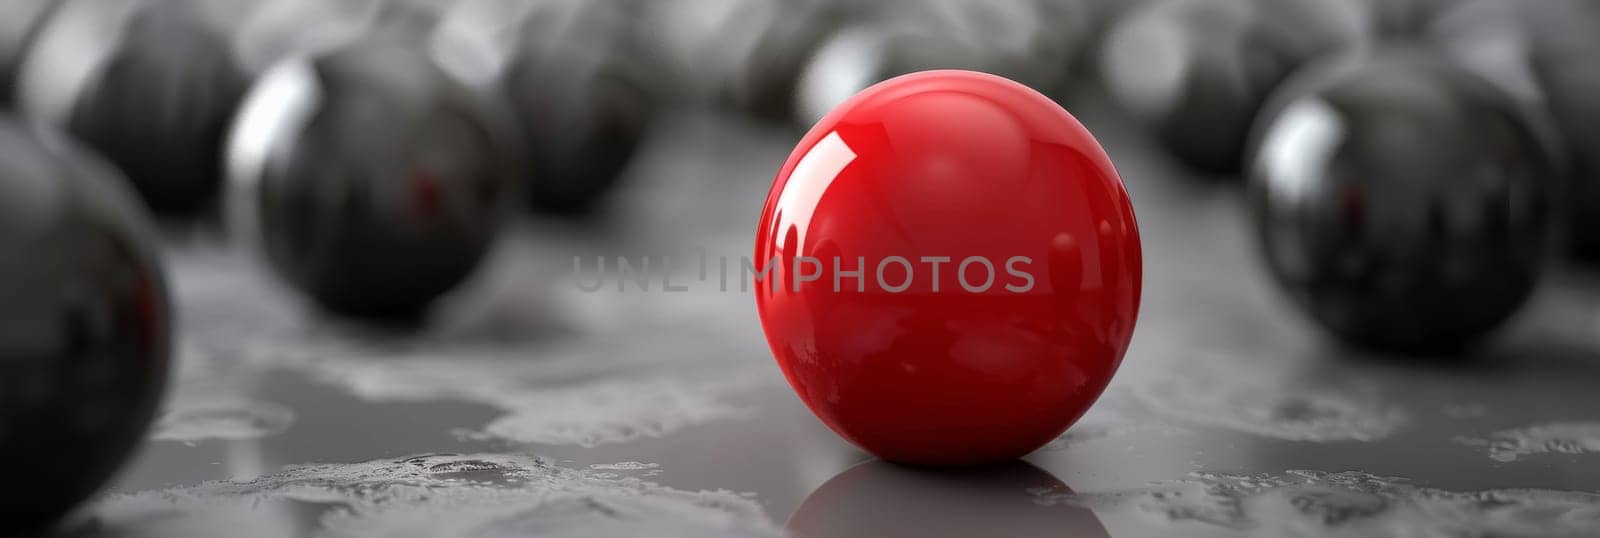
column 1565, row 69
column 745, row 55
column 1543, row 52
column 262, row 33
column 1401, row 201
column 795, row 59
column 1402, row 20
column 85, row 345
column 146, row 83
column 1035, row 42
column 19, row 24
column 1198, row 71
column 371, row 179
column 582, row 96
column 1572, row 85
column 857, row 56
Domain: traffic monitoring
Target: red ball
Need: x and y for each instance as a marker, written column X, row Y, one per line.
column 952, row 269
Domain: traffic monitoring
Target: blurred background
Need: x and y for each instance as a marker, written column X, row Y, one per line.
column 1371, row 228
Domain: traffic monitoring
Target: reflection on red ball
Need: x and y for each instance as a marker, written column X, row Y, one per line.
column 950, row 269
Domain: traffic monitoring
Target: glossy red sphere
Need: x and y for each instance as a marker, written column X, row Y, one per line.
column 981, row 358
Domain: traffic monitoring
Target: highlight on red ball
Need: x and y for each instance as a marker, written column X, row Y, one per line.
column 950, row 268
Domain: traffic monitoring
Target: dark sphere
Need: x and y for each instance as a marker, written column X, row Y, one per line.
column 1572, row 85
column 1565, row 35
column 1402, row 202
column 582, row 97
column 1407, row 19
column 86, row 339
column 1034, row 42
column 263, row 33
column 745, row 55
column 857, row 56
column 1198, row 71
column 148, row 84
column 1497, row 40
column 20, row 21
column 1541, row 51
column 369, row 178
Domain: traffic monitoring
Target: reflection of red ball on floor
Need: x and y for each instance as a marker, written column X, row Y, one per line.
column 954, row 269
column 883, row 500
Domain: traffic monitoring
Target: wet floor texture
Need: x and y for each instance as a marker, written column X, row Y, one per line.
column 530, row 408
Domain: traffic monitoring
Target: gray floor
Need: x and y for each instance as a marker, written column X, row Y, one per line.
column 530, row 408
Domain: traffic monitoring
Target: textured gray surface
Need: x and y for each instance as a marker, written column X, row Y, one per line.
column 662, row 414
